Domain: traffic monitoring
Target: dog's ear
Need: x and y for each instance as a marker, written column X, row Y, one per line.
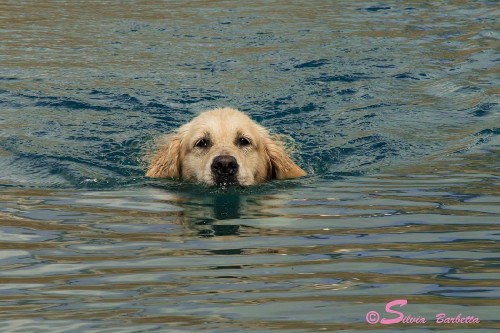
column 282, row 167
column 166, row 162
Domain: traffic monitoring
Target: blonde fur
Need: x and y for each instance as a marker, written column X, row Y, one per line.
column 180, row 155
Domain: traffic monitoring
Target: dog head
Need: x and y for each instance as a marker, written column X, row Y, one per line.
column 222, row 147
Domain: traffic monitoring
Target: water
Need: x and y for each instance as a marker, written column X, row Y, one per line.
column 391, row 108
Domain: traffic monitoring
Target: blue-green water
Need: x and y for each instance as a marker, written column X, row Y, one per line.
column 392, row 109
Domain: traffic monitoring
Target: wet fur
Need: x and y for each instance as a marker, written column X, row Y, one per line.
column 178, row 156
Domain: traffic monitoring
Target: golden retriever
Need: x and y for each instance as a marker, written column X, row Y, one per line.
column 222, row 147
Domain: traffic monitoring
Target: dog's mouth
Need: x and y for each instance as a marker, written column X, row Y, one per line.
column 226, row 182
column 225, row 171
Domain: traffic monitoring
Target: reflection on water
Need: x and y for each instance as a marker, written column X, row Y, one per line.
column 391, row 108
column 295, row 259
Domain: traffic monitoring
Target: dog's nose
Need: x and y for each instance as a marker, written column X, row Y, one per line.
column 224, row 165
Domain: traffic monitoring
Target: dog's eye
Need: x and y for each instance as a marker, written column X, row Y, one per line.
column 243, row 142
column 202, row 143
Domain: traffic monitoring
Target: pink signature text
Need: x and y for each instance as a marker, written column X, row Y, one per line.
column 396, row 315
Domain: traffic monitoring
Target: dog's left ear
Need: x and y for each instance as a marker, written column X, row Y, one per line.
column 282, row 167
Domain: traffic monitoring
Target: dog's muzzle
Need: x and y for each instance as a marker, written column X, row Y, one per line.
column 224, row 170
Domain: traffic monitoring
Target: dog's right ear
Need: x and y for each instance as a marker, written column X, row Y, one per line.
column 166, row 162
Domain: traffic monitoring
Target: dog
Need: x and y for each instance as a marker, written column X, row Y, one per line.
column 222, row 147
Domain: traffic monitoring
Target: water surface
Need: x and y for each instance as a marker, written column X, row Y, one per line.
column 392, row 109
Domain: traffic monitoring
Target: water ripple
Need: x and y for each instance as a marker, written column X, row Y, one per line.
column 391, row 108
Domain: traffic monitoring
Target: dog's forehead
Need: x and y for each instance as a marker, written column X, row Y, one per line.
column 223, row 123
